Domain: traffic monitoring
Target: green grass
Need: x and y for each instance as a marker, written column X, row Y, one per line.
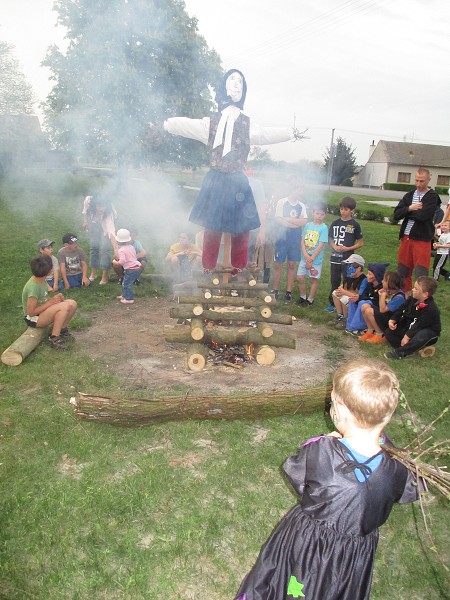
column 91, row 511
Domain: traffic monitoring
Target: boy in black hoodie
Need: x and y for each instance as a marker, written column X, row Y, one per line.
column 417, row 323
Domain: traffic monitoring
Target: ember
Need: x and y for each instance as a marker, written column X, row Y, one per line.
column 224, row 354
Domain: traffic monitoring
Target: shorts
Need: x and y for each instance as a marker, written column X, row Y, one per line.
column 75, row 280
column 31, row 321
column 316, row 269
column 287, row 249
column 344, row 299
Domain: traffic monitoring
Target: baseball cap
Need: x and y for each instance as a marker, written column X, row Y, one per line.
column 355, row 258
column 45, row 243
column 69, row 238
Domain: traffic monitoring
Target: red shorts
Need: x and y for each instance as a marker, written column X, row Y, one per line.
column 413, row 254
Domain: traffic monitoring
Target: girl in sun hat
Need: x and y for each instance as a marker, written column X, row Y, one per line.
column 131, row 266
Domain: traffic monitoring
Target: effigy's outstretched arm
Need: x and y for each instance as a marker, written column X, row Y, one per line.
column 194, row 129
column 261, row 136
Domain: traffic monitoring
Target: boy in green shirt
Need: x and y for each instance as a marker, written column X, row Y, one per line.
column 40, row 311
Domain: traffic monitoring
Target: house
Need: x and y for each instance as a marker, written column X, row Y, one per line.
column 397, row 162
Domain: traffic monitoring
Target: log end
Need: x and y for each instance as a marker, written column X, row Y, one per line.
column 12, row 358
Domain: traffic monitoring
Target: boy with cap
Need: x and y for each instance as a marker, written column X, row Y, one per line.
column 354, row 285
column 72, row 263
column 344, row 237
column 46, row 247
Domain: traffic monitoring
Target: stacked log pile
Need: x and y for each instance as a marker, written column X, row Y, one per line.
column 227, row 313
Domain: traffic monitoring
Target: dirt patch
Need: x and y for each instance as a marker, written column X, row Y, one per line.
column 130, row 340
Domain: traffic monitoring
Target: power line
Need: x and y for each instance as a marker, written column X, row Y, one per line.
column 338, row 15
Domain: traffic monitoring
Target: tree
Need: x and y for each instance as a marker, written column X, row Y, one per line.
column 128, row 64
column 16, row 96
column 343, row 162
column 259, row 158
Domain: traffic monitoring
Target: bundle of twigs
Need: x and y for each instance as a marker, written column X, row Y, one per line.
column 423, row 454
column 431, row 474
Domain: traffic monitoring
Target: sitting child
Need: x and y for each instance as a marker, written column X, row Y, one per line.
column 355, row 321
column 376, row 316
column 131, row 266
column 53, row 281
column 183, row 257
column 40, row 311
column 417, row 323
column 72, row 263
column 354, row 285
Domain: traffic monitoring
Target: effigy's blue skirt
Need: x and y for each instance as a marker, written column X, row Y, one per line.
column 225, row 203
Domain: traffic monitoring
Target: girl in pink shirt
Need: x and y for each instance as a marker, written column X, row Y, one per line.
column 131, row 266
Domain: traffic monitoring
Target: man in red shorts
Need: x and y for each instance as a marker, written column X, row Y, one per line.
column 417, row 209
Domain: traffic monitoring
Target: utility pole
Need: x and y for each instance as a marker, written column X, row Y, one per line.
column 330, row 166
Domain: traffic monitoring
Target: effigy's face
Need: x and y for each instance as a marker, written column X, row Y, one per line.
column 234, row 86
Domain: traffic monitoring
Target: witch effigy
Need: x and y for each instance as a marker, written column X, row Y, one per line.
column 225, row 203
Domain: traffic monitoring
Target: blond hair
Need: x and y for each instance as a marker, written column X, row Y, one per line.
column 369, row 389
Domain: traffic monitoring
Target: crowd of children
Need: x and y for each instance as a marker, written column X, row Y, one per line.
column 372, row 306
column 69, row 269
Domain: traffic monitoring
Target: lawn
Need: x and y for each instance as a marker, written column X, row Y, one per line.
column 179, row 510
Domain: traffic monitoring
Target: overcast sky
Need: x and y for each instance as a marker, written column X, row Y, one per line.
column 370, row 69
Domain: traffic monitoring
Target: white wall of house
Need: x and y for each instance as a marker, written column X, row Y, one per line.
column 372, row 175
column 394, row 170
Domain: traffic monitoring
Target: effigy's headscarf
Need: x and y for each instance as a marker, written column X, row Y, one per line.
column 230, row 111
column 222, row 98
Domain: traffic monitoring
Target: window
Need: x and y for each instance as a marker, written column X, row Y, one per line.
column 443, row 180
column 404, row 178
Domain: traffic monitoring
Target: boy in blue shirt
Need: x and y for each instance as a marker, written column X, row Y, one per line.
column 314, row 238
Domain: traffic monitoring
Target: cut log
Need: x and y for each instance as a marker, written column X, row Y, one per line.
column 24, row 345
column 197, row 329
column 265, row 355
column 188, row 287
column 181, row 334
column 137, row 412
column 236, row 285
column 196, row 357
column 266, row 312
column 183, row 312
column 221, row 301
column 197, row 310
column 266, row 298
column 264, row 329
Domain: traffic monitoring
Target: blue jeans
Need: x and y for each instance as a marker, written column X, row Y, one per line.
column 129, row 277
column 100, row 247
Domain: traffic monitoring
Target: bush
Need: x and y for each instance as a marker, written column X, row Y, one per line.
column 407, row 187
